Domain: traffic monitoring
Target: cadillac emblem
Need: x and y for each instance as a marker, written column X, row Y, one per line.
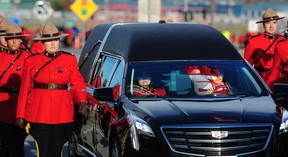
column 219, row 134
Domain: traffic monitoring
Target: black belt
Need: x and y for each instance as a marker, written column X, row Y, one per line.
column 50, row 86
column 284, row 72
column 261, row 69
column 13, row 91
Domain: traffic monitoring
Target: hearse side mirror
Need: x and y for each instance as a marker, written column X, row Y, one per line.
column 107, row 93
column 281, row 94
column 104, row 94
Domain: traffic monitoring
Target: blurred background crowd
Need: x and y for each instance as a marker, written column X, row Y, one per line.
column 234, row 18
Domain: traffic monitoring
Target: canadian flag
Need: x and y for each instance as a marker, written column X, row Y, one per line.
column 207, row 80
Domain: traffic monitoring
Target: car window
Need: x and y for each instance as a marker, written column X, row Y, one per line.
column 192, row 79
column 105, row 72
column 117, row 76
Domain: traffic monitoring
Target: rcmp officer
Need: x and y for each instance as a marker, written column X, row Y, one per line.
column 3, row 27
column 259, row 51
column 279, row 70
column 11, row 66
column 45, row 102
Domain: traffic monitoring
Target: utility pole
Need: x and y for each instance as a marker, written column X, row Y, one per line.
column 185, row 6
column 106, row 10
column 230, row 10
column 149, row 10
column 212, row 12
column 187, row 14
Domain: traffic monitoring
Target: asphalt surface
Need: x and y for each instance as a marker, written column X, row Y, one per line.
column 30, row 149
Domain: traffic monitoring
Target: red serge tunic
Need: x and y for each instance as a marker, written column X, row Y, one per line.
column 258, row 44
column 10, row 81
column 50, row 106
column 279, row 71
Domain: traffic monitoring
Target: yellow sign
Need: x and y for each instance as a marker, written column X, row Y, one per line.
column 84, row 8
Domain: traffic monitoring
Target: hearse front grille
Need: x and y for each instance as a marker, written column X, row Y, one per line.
column 228, row 140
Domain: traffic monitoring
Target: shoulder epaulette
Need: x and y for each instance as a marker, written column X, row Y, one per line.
column 23, row 48
column 255, row 35
column 68, row 53
column 281, row 40
column 33, row 54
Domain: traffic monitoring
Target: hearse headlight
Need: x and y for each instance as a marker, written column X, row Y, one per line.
column 284, row 123
column 141, row 127
column 138, row 126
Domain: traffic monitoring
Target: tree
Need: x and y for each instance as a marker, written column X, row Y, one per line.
column 56, row 5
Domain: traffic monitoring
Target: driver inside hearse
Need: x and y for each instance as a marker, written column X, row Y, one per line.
column 144, row 87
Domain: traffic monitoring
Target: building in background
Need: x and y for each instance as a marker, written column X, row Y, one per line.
column 218, row 13
column 226, row 11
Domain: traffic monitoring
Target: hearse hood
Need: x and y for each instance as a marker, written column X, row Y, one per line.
column 248, row 110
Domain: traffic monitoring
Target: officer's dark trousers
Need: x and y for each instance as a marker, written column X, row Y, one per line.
column 12, row 140
column 50, row 139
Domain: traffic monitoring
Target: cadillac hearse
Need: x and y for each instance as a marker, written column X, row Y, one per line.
column 201, row 98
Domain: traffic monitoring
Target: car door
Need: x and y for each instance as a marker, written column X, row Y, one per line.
column 109, row 74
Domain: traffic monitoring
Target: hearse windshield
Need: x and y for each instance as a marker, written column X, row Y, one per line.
column 192, row 79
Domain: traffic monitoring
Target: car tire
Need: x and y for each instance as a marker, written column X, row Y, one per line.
column 115, row 147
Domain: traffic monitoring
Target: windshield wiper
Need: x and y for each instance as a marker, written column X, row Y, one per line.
column 244, row 95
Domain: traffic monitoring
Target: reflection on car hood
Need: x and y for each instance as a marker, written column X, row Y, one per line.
column 249, row 110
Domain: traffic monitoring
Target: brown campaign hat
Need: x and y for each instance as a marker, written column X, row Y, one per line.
column 269, row 15
column 3, row 25
column 50, row 31
column 14, row 31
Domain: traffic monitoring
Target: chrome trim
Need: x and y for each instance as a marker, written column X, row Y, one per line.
column 219, row 134
column 134, row 138
column 218, row 126
column 101, row 47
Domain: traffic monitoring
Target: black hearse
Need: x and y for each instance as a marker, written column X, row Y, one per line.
column 210, row 101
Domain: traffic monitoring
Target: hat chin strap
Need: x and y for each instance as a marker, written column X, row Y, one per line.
column 50, row 35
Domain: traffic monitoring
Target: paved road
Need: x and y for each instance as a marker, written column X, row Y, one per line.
column 30, row 149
